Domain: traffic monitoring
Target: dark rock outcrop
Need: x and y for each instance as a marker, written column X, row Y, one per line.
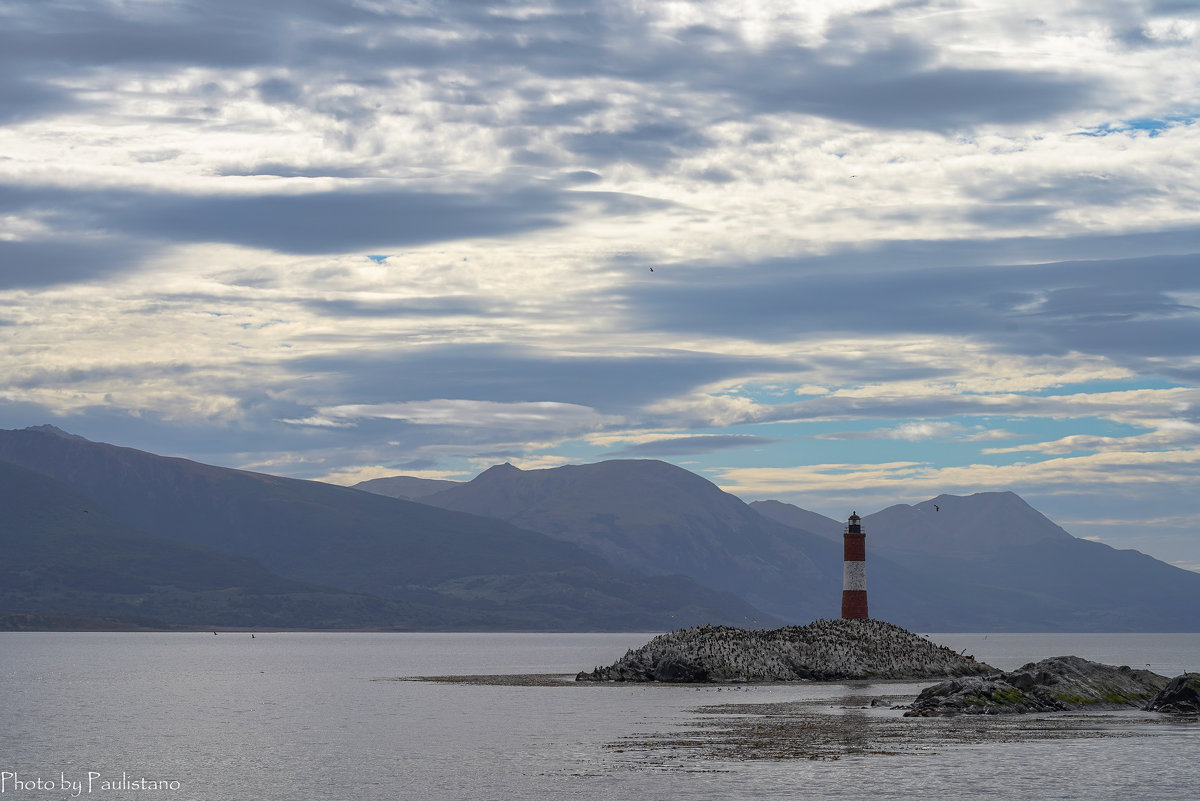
column 826, row 650
column 1180, row 696
column 1052, row 685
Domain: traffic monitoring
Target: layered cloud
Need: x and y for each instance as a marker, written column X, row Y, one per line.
column 824, row 252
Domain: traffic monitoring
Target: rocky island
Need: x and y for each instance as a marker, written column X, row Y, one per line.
column 1181, row 696
column 825, row 650
column 1056, row 684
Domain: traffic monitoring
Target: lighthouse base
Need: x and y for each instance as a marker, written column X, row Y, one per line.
column 854, row 604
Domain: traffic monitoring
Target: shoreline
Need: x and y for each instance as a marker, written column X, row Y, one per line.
column 568, row 680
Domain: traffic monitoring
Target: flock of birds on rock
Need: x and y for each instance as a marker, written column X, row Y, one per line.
column 822, row 650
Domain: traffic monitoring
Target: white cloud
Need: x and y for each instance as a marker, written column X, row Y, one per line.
column 531, row 417
column 903, row 479
column 980, row 434
column 920, row 430
column 609, row 439
column 705, row 410
column 319, row 421
column 1170, row 434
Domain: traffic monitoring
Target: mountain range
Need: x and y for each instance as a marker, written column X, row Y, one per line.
column 1055, row 581
column 96, row 535
column 65, row 558
column 984, row 562
column 416, row 565
column 653, row 518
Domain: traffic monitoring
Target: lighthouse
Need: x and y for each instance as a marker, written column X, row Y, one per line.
column 854, row 570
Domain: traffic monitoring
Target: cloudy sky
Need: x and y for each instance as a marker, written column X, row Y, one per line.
column 843, row 254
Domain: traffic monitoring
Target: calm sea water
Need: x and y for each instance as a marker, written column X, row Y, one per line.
column 306, row 716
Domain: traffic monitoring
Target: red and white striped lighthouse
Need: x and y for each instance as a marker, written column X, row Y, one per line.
column 854, row 570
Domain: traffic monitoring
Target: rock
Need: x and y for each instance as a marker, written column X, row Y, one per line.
column 1052, row 685
column 1181, row 696
column 827, row 650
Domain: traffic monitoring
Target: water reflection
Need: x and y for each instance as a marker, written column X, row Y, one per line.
column 852, row 730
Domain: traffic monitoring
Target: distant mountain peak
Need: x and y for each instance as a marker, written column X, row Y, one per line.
column 976, row 525
column 508, row 468
column 405, row 487
column 654, row 518
column 56, row 431
column 985, row 494
column 997, row 499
